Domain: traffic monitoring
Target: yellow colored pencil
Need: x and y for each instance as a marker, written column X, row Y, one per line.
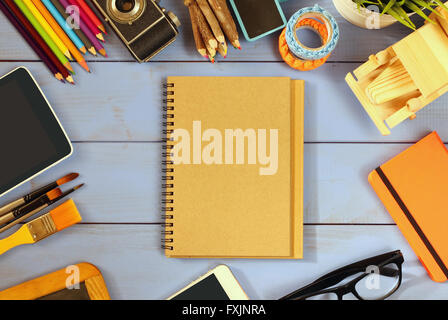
column 62, row 35
column 35, row 12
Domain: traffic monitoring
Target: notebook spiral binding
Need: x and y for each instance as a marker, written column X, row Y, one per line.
column 167, row 167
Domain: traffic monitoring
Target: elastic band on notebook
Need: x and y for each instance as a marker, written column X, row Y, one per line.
column 411, row 219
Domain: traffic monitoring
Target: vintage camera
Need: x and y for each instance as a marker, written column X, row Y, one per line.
column 143, row 26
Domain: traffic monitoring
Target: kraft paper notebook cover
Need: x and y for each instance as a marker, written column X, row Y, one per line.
column 413, row 186
column 249, row 209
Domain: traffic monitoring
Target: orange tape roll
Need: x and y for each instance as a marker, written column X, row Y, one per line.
column 295, row 62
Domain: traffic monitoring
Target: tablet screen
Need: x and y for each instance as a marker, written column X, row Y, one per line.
column 31, row 137
column 207, row 289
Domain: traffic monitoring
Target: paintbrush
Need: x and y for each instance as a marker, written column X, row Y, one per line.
column 32, row 208
column 46, row 225
column 36, row 194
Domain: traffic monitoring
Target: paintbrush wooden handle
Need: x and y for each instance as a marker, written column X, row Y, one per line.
column 22, row 236
column 11, row 206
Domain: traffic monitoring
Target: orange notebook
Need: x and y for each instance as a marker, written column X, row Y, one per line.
column 233, row 167
column 413, row 186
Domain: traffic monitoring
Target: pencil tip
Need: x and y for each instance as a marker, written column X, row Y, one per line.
column 100, row 36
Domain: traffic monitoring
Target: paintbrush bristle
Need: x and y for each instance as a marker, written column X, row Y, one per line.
column 67, row 178
column 78, row 186
column 65, row 215
column 53, row 194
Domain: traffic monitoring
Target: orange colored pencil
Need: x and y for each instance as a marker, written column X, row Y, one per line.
column 91, row 15
column 61, row 34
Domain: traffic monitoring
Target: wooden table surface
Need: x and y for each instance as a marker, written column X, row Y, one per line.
column 113, row 117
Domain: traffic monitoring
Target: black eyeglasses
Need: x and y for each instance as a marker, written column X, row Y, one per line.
column 375, row 278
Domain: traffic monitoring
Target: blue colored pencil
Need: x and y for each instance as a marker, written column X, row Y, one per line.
column 61, row 21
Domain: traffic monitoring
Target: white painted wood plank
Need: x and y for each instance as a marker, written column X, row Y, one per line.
column 135, row 268
column 122, row 101
column 123, row 182
column 355, row 44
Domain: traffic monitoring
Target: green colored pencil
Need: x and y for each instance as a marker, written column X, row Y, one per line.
column 44, row 34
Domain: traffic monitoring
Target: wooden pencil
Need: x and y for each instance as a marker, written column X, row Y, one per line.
column 226, row 21
column 40, row 53
column 85, row 18
column 38, row 39
column 62, row 23
column 48, row 29
column 211, row 19
column 222, row 49
column 62, row 35
column 200, row 46
column 203, row 26
column 92, row 15
column 61, row 9
column 30, row 17
column 87, row 32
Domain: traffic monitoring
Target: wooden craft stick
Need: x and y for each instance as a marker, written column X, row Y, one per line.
column 200, row 45
column 211, row 19
column 203, row 26
column 226, row 21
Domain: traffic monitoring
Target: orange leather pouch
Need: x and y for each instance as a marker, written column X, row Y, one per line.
column 413, row 187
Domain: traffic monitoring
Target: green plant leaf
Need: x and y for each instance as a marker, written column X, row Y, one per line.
column 404, row 15
column 417, row 10
column 388, row 6
column 426, row 5
column 392, row 11
column 440, row 3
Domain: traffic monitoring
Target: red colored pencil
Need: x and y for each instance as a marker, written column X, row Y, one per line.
column 91, row 15
column 85, row 18
column 37, row 39
column 30, row 41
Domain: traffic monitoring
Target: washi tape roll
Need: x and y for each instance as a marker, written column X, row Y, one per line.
column 296, row 54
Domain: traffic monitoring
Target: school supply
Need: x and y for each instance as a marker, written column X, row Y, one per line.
column 56, row 220
column 412, row 187
column 47, row 28
column 82, row 281
column 85, row 19
column 217, row 284
column 89, row 12
column 397, row 82
column 61, row 34
column 87, row 32
column 227, row 199
column 34, row 207
column 35, row 23
column 37, row 193
column 86, row 42
column 258, row 18
column 296, row 54
column 374, row 278
column 39, row 141
column 62, row 23
column 29, row 39
column 211, row 22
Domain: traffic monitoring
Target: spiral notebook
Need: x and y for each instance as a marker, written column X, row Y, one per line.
column 233, row 166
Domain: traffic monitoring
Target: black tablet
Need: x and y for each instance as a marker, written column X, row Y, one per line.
column 31, row 137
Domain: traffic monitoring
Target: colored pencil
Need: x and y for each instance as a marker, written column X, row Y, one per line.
column 86, row 31
column 58, row 30
column 89, row 23
column 50, row 65
column 61, row 9
column 47, row 28
column 27, row 13
column 62, row 23
column 91, row 15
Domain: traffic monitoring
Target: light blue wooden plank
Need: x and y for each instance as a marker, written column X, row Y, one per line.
column 123, row 182
column 122, row 101
column 135, row 268
column 355, row 44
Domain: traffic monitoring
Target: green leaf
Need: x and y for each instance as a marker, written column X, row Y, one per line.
column 392, row 11
column 388, row 6
column 440, row 3
column 424, row 4
column 417, row 10
column 404, row 15
column 401, row 2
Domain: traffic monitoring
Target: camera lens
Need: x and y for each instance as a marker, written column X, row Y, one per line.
column 125, row 6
